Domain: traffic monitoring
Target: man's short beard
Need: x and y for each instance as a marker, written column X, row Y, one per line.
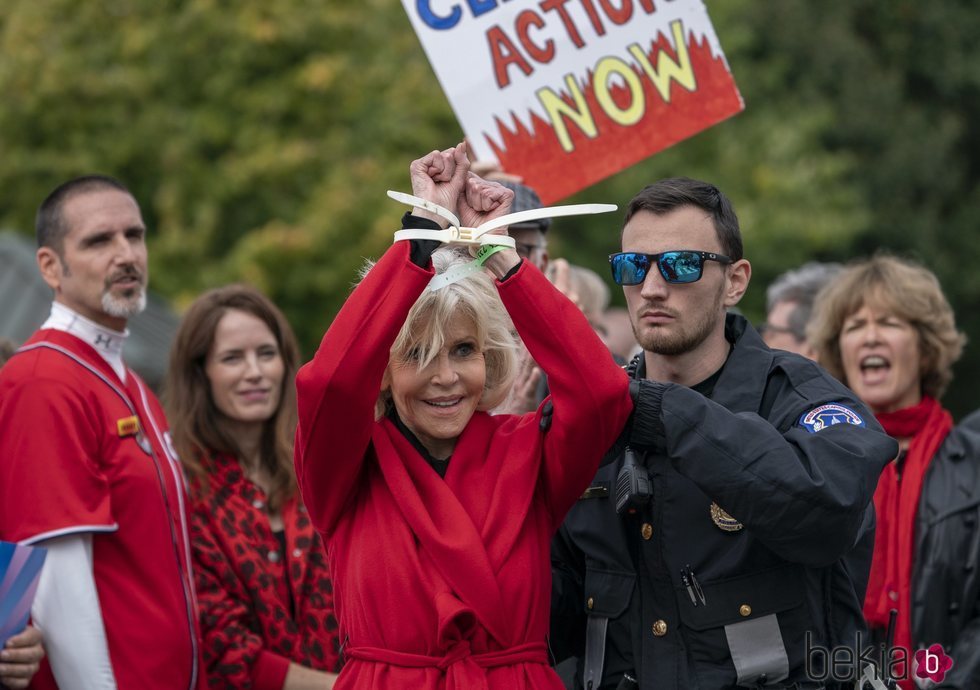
column 683, row 342
column 124, row 307
column 677, row 343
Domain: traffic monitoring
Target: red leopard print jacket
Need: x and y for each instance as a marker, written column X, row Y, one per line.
column 245, row 586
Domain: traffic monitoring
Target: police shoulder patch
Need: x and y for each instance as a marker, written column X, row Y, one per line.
column 821, row 417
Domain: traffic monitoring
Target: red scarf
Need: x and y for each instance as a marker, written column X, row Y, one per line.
column 896, row 502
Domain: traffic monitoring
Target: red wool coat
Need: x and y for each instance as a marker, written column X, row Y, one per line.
column 73, row 460
column 445, row 583
column 244, row 584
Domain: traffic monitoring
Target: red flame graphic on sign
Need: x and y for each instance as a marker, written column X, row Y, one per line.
column 536, row 154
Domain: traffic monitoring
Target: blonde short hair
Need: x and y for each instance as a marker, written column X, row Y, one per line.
column 423, row 333
column 903, row 288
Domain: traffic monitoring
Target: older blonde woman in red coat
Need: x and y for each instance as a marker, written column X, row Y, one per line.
column 439, row 515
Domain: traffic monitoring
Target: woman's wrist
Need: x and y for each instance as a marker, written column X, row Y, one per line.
column 503, row 262
column 429, row 215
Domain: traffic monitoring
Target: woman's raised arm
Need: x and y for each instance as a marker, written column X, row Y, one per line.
column 337, row 390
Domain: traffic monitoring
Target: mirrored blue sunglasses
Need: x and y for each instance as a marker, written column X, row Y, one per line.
column 681, row 266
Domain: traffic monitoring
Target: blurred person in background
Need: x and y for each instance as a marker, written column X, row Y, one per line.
column 789, row 304
column 884, row 328
column 266, row 601
column 619, row 333
column 531, row 237
column 589, row 292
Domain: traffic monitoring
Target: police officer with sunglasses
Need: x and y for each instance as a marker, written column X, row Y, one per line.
column 728, row 533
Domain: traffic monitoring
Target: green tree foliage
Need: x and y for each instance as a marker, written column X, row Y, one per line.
column 902, row 89
column 260, row 137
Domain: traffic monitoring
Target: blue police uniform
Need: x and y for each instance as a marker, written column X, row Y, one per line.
column 755, row 545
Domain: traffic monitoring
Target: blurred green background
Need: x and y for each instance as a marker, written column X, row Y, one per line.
column 260, row 137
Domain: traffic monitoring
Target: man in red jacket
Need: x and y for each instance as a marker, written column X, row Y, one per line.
column 86, row 463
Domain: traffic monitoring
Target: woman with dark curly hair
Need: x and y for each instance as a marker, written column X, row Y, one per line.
column 267, row 614
column 885, row 329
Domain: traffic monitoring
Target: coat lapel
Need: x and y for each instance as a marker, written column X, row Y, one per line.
column 491, row 478
column 443, row 526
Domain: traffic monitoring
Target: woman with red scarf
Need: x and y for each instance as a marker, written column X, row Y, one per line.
column 885, row 329
column 438, row 515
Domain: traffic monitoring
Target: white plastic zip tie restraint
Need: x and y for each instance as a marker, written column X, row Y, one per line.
column 477, row 237
column 454, row 274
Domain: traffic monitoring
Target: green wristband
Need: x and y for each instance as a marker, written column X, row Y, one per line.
column 488, row 250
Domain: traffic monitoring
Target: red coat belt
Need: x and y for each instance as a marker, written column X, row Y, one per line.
column 462, row 666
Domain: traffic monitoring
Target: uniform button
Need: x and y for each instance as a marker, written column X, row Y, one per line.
column 590, row 603
column 745, row 610
column 273, row 556
column 258, row 504
column 646, row 530
column 297, row 553
column 893, row 595
column 660, row 628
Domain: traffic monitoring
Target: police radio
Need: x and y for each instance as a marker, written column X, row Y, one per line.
column 633, row 486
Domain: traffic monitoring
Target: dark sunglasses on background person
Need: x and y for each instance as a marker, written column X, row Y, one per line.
column 680, row 266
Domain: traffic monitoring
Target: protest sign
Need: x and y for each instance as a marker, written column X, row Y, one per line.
column 568, row 92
